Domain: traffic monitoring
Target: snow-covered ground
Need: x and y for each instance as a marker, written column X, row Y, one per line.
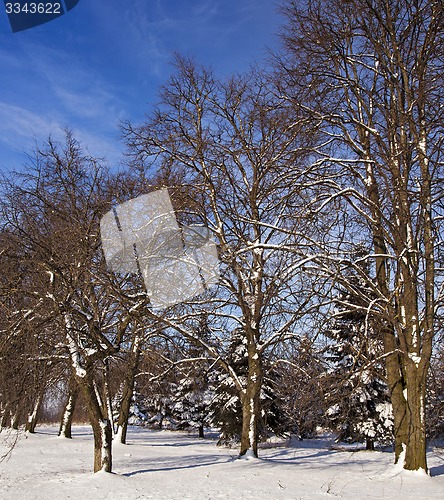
column 171, row 465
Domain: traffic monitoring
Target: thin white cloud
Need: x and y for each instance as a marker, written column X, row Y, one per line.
column 74, row 86
column 19, row 126
column 199, row 27
column 111, row 73
column 64, row 92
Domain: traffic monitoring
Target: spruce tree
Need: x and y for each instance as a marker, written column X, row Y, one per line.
column 357, row 395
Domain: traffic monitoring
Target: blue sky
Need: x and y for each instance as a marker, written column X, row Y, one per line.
column 103, row 62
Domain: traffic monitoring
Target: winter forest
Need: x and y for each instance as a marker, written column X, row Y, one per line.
column 320, row 176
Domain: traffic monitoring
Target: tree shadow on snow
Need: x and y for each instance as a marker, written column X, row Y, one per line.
column 169, row 465
column 437, row 471
column 288, row 455
column 169, row 445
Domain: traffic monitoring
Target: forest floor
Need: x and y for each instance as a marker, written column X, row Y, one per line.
column 176, row 465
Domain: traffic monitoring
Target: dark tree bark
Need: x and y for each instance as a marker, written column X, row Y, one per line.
column 6, row 417
column 32, row 420
column 100, row 424
column 369, row 445
column 128, row 389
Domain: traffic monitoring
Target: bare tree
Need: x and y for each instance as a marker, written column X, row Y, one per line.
column 28, row 367
column 224, row 149
column 131, row 369
column 372, row 72
column 53, row 209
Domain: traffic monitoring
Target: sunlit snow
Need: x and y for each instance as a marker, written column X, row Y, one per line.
column 175, row 465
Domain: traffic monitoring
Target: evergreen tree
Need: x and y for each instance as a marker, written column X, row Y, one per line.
column 297, row 380
column 226, row 405
column 435, row 397
column 193, row 400
column 195, row 375
column 357, row 396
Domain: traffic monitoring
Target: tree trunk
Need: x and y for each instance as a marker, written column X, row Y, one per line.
column 369, row 445
column 107, row 395
column 6, row 418
column 396, row 382
column 201, row 431
column 415, row 449
column 102, row 445
column 101, row 425
column 406, row 379
column 31, row 422
column 68, row 412
column 15, row 419
column 251, row 408
column 128, row 390
column 401, row 346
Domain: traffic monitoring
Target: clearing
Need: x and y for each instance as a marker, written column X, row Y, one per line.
column 176, row 465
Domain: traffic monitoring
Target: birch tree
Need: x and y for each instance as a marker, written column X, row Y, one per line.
column 373, row 75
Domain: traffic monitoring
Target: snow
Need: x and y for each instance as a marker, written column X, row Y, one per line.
column 251, row 432
column 415, row 358
column 249, row 455
column 368, row 181
column 73, row 348
column 176, row 465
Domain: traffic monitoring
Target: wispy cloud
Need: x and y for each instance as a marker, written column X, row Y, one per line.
column 216, row 31
column 104, row 63
column 19, row 126
column 74, row 84
column 64, row 92
column 21, row 129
